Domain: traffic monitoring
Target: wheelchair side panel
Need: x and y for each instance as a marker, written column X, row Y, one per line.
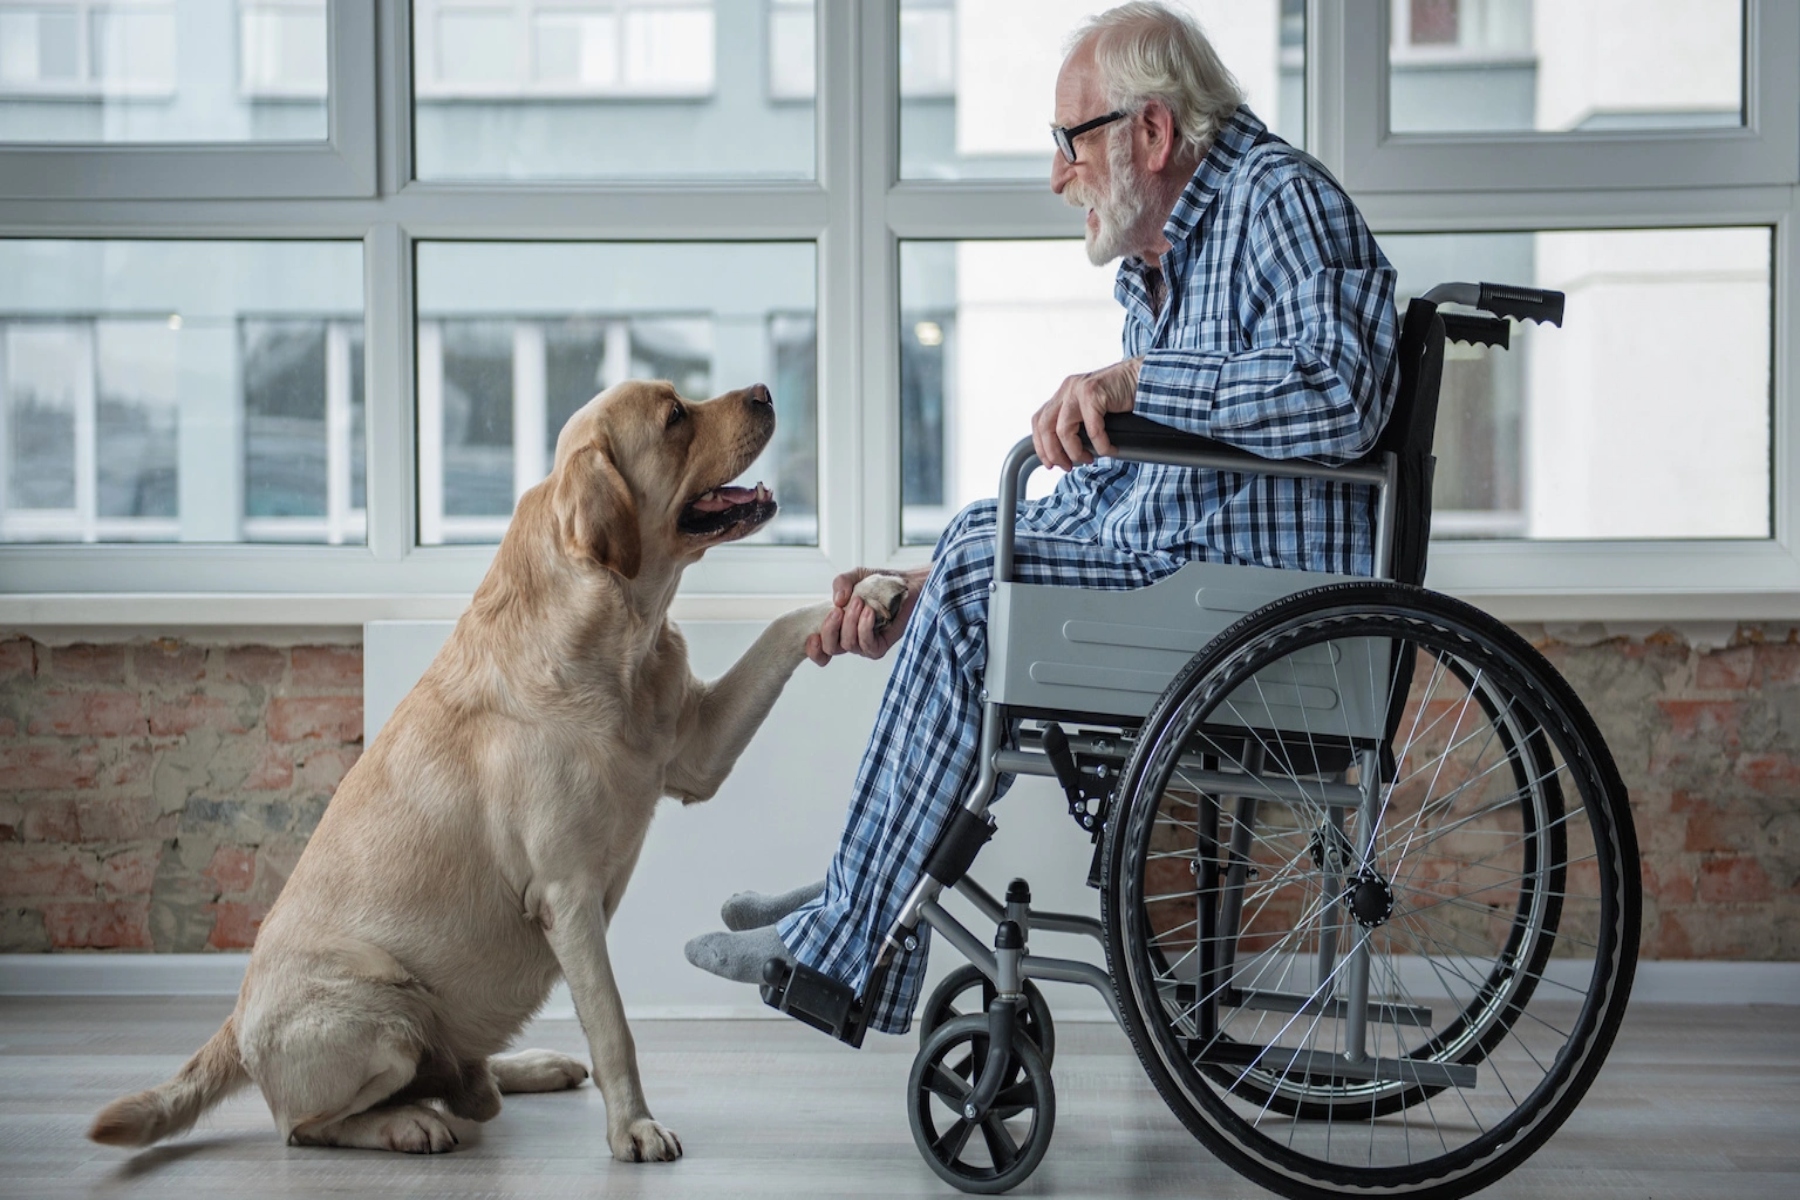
column 1115, row 652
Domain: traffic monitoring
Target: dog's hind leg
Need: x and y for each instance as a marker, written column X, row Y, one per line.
column 536, row 1071
column 409, row 1128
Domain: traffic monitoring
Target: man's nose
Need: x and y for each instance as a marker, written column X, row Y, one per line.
column 1060, row 171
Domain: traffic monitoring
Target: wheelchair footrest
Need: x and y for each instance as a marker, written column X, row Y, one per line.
column 813, row 998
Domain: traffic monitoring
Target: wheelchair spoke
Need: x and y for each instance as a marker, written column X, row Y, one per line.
column 1000, row 1144
column 950, row 1145
column 953, row 1089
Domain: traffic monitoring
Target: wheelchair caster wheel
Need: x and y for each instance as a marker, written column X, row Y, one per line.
column 956, row 997
column 1016, row 1130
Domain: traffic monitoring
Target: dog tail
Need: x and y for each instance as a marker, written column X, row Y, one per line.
column 215, row 1071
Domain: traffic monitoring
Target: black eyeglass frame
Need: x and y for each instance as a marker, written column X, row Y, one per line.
column 1065, row 135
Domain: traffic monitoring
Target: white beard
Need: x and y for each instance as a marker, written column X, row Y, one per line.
column 1119, row 212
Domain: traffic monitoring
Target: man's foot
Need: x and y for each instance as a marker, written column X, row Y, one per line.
column 753, row 910
column 737, row 956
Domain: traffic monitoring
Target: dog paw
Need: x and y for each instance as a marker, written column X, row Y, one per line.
column 883, row 593
column 645, row 1140
column 537, row 1071
column 415, row 1129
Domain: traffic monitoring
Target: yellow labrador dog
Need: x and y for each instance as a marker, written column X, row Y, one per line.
column 483, row 842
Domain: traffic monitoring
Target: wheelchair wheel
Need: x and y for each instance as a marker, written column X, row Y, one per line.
column 966, row 991
column 1014, row 1134
column 1371, row 896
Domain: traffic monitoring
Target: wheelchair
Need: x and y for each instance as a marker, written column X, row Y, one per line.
column 1367, row 872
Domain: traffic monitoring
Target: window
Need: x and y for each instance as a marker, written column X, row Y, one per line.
column 974, row 77
column 512, row 339
column 246, row 363
column 590, row 89
column 181, row 391
column 158, row 71
column 1592, row 65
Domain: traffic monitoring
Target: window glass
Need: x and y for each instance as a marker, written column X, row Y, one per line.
column 613, row 89
column 1559, row 65
column 514, row 338
column 1645, row 416
column 988, row 330
column 159, row 71
column 191, row 391
column 977, row 78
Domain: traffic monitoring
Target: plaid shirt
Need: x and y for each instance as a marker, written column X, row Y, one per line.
column 1278, row 337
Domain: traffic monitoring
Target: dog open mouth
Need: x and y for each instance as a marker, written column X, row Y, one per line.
column 733, row 511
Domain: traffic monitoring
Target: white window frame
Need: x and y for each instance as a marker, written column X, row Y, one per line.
column 857, row 211
column 342, row 164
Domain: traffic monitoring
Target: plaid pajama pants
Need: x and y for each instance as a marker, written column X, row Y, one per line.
column 921, row 759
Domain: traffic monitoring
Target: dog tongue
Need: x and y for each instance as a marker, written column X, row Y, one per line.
column 720, row 499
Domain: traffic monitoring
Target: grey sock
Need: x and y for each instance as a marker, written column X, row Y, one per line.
column 737, row 956
column 753, row 910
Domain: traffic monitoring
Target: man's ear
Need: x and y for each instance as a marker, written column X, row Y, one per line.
column 1159, row 134
column 595, row 515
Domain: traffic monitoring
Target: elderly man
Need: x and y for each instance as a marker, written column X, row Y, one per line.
column 1258, row 311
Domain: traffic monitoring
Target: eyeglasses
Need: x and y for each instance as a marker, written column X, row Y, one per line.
column 1065, row 135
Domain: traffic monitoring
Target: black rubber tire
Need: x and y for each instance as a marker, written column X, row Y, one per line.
column 1231, row 1114
column 941, row 1007
column 951, row 1059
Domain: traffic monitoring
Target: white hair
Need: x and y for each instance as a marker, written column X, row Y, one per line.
column 1147, row 51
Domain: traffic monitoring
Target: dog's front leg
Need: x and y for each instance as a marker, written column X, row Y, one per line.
column 721, row 717
column 577, row 934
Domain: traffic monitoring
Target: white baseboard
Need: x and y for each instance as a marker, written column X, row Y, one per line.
column 1664, row 982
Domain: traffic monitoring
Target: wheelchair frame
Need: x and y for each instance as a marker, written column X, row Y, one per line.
column 1175, row 621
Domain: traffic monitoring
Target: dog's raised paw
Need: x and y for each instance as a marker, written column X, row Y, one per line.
column 883, row 593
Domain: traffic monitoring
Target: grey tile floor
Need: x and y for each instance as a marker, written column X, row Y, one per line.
column 1694, row 1102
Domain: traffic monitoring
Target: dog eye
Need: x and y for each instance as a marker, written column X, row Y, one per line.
column 677, row 414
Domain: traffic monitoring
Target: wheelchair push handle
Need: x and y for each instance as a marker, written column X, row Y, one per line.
column 1502, row 300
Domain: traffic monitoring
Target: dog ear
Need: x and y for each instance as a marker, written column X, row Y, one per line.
column 595, row 514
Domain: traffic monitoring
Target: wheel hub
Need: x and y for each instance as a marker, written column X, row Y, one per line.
column 1370, row 899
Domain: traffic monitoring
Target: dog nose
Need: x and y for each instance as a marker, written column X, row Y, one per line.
column 760, row 395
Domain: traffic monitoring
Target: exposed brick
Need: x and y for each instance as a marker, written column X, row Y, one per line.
column 1777, row 663
column 325, row 769
column 87, row 663
column 99, row 925
column 112, row 819
column 327, row 667
column 1725, row 670
column 1671, row 884
column 1771, row 774
column 328, row 718
column 169, row 663
column 131, row 766
column 1711, row 830
column 235, row 924
column 130, row 872
column 273, row 770
column 1669, row 938
column 27, row 869
column 251, row 664
column 9, row 728
column 173, row 718
column 18, row 657
column 1737, row 880
column 38, row 767
column 232, row 869
column 1713, row 721
column 50, row 821
column 87, row 714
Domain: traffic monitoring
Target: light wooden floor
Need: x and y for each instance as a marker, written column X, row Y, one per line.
column 1694, row 1102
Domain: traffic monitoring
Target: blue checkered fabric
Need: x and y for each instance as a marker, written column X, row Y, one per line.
column 1278, row 336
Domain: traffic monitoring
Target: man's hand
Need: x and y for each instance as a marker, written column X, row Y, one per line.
column 852, row 627
column 1082, row 402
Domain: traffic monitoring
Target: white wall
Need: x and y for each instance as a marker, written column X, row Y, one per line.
column 774, row 824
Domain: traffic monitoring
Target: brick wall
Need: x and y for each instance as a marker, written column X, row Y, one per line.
column 154, row 795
